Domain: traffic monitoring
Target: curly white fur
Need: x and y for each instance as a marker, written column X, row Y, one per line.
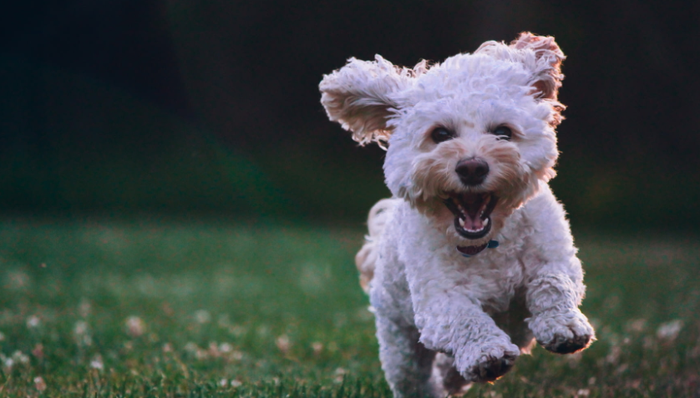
column 444, row 320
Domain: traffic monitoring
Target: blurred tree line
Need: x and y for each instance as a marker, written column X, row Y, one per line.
column 210, row 106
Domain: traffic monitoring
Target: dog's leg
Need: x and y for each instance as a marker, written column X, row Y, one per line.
column 406, row 362
column 482, row 351
column 554, row 280
column 557, row 323
column 451, row 320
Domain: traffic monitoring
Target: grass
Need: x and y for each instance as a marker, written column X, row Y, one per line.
column 189, row 308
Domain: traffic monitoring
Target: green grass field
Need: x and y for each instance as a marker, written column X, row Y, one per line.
column 114, row 308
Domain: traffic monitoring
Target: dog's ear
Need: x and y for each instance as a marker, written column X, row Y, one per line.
column 548, row 58
column 360, row 97
column 540, row 54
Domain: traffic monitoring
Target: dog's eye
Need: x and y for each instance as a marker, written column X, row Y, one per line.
column 441, row 134
column 503, row 132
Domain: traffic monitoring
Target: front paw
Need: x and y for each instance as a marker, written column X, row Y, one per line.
column 488, row 361
column 562, row 333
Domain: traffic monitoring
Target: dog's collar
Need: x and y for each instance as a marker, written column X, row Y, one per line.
column 468, row 251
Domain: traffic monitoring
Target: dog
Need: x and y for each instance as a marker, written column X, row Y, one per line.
column 472, row 259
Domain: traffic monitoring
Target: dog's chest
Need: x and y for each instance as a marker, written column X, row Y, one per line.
column 490, row 277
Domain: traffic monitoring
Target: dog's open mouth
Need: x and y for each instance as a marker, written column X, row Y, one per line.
column 472, row 213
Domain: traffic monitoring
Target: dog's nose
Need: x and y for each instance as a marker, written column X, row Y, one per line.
column 472, row 171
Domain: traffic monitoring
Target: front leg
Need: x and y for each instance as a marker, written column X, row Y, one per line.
column 557, row 323
column 482, row 351
column 554, row 279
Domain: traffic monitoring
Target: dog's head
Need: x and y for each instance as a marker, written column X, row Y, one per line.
column 469, row 140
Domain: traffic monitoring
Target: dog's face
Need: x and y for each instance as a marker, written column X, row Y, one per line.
column 469, row 140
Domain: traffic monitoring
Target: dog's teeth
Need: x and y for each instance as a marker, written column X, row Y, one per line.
column 486, row 222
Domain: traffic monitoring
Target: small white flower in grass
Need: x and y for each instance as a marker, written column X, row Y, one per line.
column 33, row 322
column 196, row 351
column 214, row 350
column 236, row 383
column 584, row 392
column 167, row 347
column 80, row 328
column 202, row 316
column 669, row 331
column 223, row 382
column 225, row 348
column 20, row 357
column 201, row 354
column 39, row 384
column 339, row 375
column 283, row 343
column 135, row 326
column 97, row 362
column 8, row 363
column 81, row 334
column 317, row 347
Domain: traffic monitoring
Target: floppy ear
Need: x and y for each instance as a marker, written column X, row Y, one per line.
column 540, row 54
column 359, row 97
column 548, row 58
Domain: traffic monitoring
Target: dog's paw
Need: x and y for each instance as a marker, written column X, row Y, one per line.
column 563, row 333
column 490, row 363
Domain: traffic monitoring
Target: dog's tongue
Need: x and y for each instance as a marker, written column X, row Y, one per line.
column 473, row 223
column 472, row 205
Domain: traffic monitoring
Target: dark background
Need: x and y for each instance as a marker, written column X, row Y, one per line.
column 212, row 107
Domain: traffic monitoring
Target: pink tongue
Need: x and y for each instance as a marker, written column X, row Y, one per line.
column 473, row 224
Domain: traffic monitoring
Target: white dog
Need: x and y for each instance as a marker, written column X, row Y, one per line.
column 473, row 256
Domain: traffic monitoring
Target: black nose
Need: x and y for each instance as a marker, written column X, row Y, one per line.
column 472, row 171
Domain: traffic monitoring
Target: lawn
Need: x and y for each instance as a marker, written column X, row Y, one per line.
column 121, row 308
